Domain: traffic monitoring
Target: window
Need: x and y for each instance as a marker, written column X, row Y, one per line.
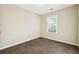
column 52, row 24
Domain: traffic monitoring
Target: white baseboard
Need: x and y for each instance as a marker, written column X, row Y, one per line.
column 17, row 43
column 62, row 41
column 32, row 39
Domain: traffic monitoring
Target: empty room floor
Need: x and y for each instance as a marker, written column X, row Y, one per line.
column 41, row 46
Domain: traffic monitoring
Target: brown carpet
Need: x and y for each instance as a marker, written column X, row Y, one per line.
column 41, row 46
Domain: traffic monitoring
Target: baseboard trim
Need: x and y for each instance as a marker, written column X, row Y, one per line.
column 17, row 43
column 36, row 38
column 60, row 41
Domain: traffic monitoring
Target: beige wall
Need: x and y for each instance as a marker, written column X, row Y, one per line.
column 66, row 24
column 0, row 22
column 78, row 25
column 18, row 25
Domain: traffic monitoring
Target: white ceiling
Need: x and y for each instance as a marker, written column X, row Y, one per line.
column 43, row 8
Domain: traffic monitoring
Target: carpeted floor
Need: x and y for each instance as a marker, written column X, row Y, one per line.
column 41, row 46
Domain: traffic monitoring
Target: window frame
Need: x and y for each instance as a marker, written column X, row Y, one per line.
column 47, row 24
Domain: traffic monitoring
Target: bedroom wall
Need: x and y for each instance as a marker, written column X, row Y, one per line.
column 66, row 24
column 18, row 25
column 0, row 21
column 78, row 25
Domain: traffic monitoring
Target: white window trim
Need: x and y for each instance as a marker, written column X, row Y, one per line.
column 56, row 25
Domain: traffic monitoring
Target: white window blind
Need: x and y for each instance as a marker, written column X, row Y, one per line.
column 52, row 24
